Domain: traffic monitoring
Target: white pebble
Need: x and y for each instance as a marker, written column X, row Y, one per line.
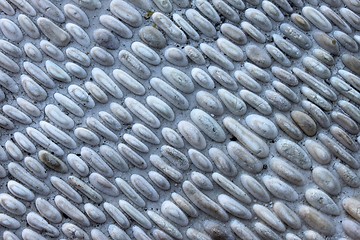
column 134, row 65
column 126, row 12
column 202, row 78
column 145, row 53
column 160, row 107
column 101, row 56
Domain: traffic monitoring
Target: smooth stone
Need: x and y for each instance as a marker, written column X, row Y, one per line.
column 317, row 18
column 208, row 125
column 77, row 15
column 101, row 56
column 326, row 180
column 116, row 26
column 152, row 37
column 321, row 201
column 201, row 23
column 287, row 215
column 233, row 33
column 316, row 220
column 255, row 188
column 58, row 36
column 258, row 56
column 294, row 153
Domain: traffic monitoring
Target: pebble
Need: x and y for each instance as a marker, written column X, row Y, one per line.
column 272, row 11
column 316, row 67
column 175, row 157
column 161, row 108
column 159, row 180
column 145, row 53
column 284, row 76
column 317, row 19
column 207, row 9
column 28, row 26
column 173, row 31
column 259, row 19
column 70, row 230
column 52, row 162
column 351, row 62
column 287, row 47
column 230, row 49
column 12, row 205
column 89, row 4
column 280, row 189
column 8, row 83
column 321, row 88
column 269, row 217
column 323, row 56
column 201, row 23
column 116, row 26
column 223, row 78
column 222, row 162
column 60, row 136
column 58, row 36
column 227, row 11
column 244, row 158
column 44, row 142
column 255, row 188
column 103, row 185
column 264, row 231
column 128, row 191
column 101, row 56
column 152, row 37
column 27, row 179
column 76, row 15
column 95, row 161
column 79, row 35
column 208, row 125
column 242, row 231
column 216, row 230
column 144, row 187
column 278, row 56
column 176, row 56
column 78, row 165
column 341, row 136
column 345, row 89
column 216, row 57
column 347, row 175
column 8, row 10
column 345, row 122
column 58, row 117
column 114, row 158
column 338, row 151
column 13, row 150
column 20, row 191
column 305, row 122
column 351, row 205
column 169, row 93
column 194, row 54
column 351, row 228
column 203, row 202
column 134, row 65
column 179, row 79
column 317, row 220
column 7, row 235
column 135, row 214
column 350, row 79
column 38, row 74
column 117, row 215
column 184, row 205
column 135, row 143
column 346, row 41
column 287, row 215
column 66, row 189
column 9, row 222
column 172, row 137
column 130, row 16
column 258, row 56
column 200, row 160
column 294, row 153
column 10, row 30
column 24, row 142
column 326, row 42
column 201, row 181
column 69, row 105
column 316, row 98
column 326, row 180
column 316, row 113
column 28, row 234
column 287, row 171
column 85, row 189
column 321, row 201
column 10, row 49
column 256, row 102
column 132, row 156
column 144, row 133
column 81, row 96
column 142, row 112
column 234, row 104
column 164, row 225
column 300, row 22
column 76, row 70
column 39, row 223
column 186, row 27
column 96, row 92
column 258, row 73
column 97, row 235
column 8, row 64
column 121, row 113
column 117, row 233
column 352, row 18
column 164, row 6
column 253, row 32
column 48, row 211
column 71, row 211
column 139, row 234
column 209, row 103
column 57, row 72
column 127, row 81
column 202, row 78
column 174, row 213
column 233, row 33
column 285, row 91
column 106, row 82
column 277, row 100
column 233, row 207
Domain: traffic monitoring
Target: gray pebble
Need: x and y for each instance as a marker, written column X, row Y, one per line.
column 253, row 32
column 194, row 54
column 287, row 47
column 255, row 188
column 216, row 57
column 287, row 215
column 58, row 36
column 208, row 125
column 116, row 26
column 326, row 42
column 209, row 103
column 317, row 18
column 294, row 153
column 278, row 55
column 335, row 18
column 318, row 151
column 316, row 220
column 227, row 11
column 222, row 77
column 201, row 23
column 256, row 102
column 179, row 79
column 76, row 14
column 258, row 56
column 152, row 37
column 134, row 65
column 234, row 104
column 186, row 27
column 233, row 33
column 223, row 162
column 244, row 158
column 326, row 180
column 200, row 160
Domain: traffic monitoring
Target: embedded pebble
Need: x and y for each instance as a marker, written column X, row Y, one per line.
column 341, row 136
column 76, row 70
column 160, row 107
column 145, row 53
column 316, row 220
column 216, row 230
column 128, row 191
column 10, row 30
column 222, row 162
column 350, row 79
column 200, row 160
column 233, row 207
column 242, row 231
column 259, row 19
column 256, row 102
column 132, row 156
column 135, row 214
column 152, row 37
column 70, row 210
column 89, row 4
column 174, row 213
column 76, row 14
column 159, row 180
column 317, row 18
column 186, row 27
column 201, row 181
column 176, row 57
column 287, row 171
column 144, row 133
column 209, row 103
column 135, row 143
column 12, row 205
column 58, row 36
column 8, row 83
column 253, row 32
column 28, row 234
column 126, row 12
column 174, row 32
column 116, row 26
column 9, row 222
column 172, row 137
column 244, row 158
column 207, row 9
column 234, row 104
column 8, row 10
column 287, row 47
column 78, row 165
column 216, row 57
column 222, row 77
column 10, row 49
column 95, row 161
column 101, row 56
column 8, row 64
column 85, row 189
column 273, row 11
column 294, row 153
column 278, row 56
column 287, row 215
column 60, row 136
column 269, row 217
column 326, row 180
column 257, row 73
column 351, row 228
column 285, row 91
column 179, row 79
column 284, row 76
column 280, row 189
column 344, row 121
column 321, row 201
column 142, row 112
column 134, row 65
column 316, row 67
column 305, row 123
column 44, row 142
column 103, row 185
column 255, row 188
column 277, row 100
column 258, row 56
column 144, row 187
column 233, row 33
column 117, row 233
column 194, row 54
column 347, row 175
column 28, row 26
column 164, row 225
column 204, row 203
column 352, row 18
column 201, row 23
